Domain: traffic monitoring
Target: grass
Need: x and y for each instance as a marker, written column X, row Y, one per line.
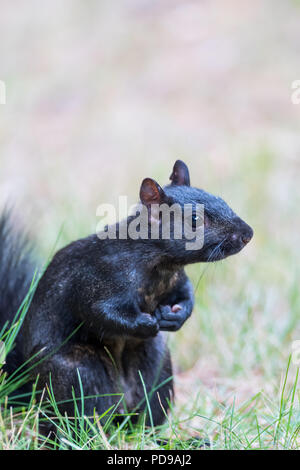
column 259, row 423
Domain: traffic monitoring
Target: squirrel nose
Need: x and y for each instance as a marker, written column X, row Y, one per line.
column 243, row 233
column 246, row 239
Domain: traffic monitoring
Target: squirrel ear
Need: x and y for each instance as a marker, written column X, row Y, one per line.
column 151, row 192
column 180, row 175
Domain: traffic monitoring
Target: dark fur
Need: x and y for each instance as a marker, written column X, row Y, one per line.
column 122, row 292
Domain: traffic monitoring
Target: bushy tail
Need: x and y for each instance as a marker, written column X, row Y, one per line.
column 16, row 273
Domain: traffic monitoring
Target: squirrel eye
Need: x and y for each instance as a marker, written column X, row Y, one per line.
column 196, row 220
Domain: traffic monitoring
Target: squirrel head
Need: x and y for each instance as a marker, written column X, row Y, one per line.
column 218, row 231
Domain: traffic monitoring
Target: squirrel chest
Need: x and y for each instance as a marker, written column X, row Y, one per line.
column 155, row 287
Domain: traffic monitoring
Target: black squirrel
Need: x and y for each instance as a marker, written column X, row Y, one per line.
column 120, row 295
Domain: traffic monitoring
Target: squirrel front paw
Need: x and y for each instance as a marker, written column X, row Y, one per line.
column 171, row 318
column 147, row 326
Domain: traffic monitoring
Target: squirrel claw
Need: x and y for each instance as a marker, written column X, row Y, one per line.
column 176, row 308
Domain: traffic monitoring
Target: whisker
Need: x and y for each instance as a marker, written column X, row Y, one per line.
column 210, row 258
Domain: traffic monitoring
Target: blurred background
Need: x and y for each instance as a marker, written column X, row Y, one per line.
column 101, row 94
